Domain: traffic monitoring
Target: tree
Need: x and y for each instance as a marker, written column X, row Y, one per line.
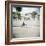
column 33, row 14
column 17, row 13
column 18, row 9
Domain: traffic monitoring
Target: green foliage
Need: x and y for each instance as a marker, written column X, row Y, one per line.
column 34, row 13
column 18, row 9
column 13, row 13
column 19, row 16
column 17, row 13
